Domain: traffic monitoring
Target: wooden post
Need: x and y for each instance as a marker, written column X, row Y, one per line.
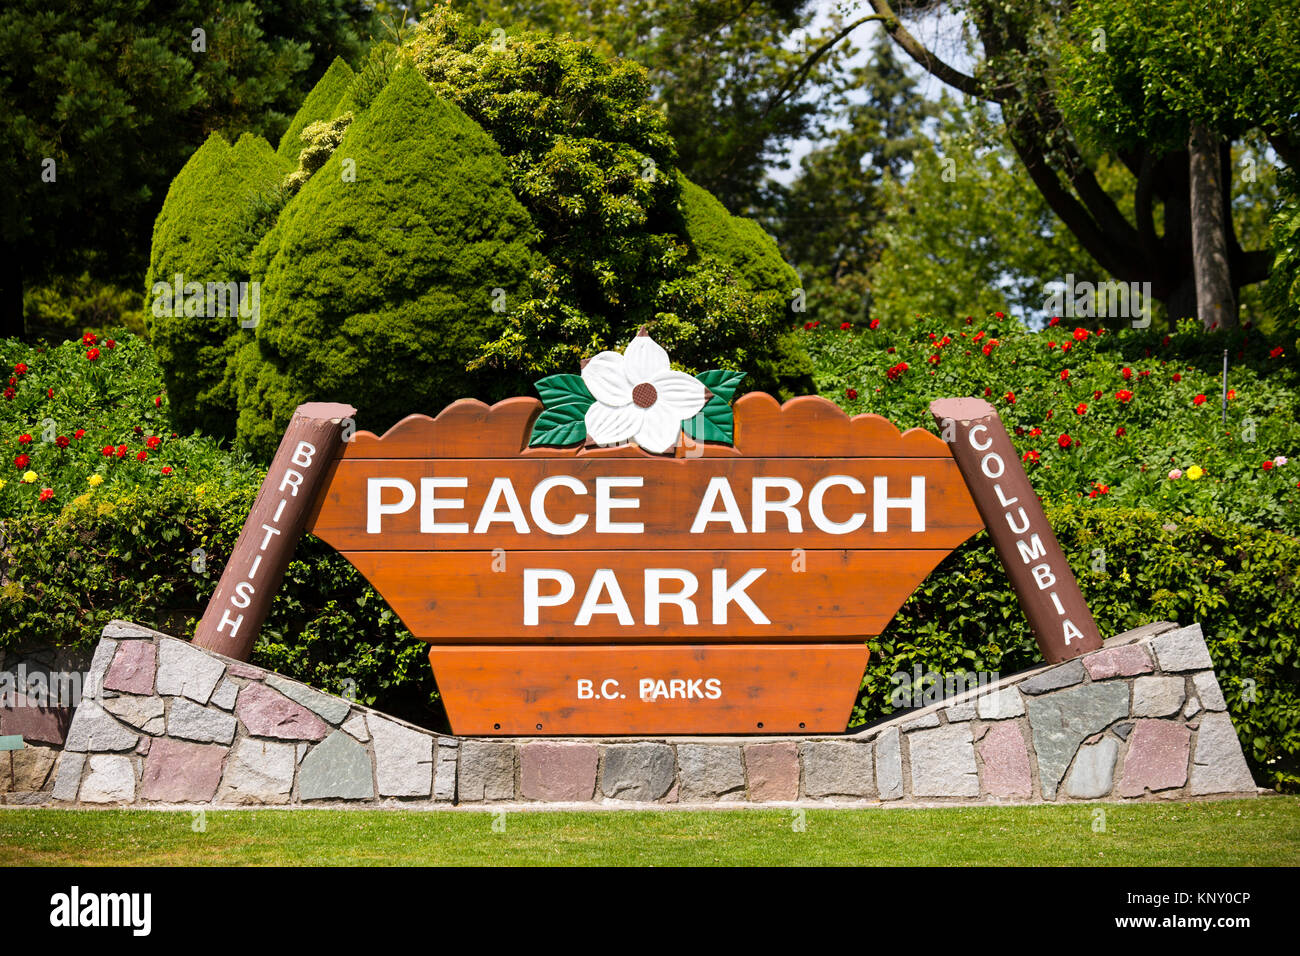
column 1042, row 578
column 234, row 616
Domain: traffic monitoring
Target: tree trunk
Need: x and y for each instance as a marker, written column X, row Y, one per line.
column 1215, row 303
column 11, row 294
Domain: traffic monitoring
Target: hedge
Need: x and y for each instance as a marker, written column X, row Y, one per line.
column 64, row 575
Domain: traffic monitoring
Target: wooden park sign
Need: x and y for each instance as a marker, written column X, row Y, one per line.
column 633, row 554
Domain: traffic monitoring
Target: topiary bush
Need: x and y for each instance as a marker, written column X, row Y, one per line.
column 201, row 236
column 408, row 316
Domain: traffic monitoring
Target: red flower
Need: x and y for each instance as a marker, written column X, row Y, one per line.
column 137, row 429
column 109, row 344
column 933, row 337
column 988, row 349
column 22, row 461
column 1124, row 395
column 49, row 392
column 1120, row 432
column 79, row 434
column 1096, row 393
column 945, row 340
column 62, row 441
column 978, row 336
column 1268, row 465
column 873, row 324
column 167, row 469
column 998, row 315
column 988, row 392
column 1054, row 320
column 969, row 320
column 9, row 394
column 108, row 451
column 1030, row 455
column 890, row 350
column 1081, row 409
column 142, row 455
column 896, row 371
column 90, row 338
column 47, row 494
column 1051, row 345
column 1066, row 346
column 1035, row 432
column 20, row 368
column 92, row 354
column 1019, row 430
column 933, row 359
column 1199, row 400
column 1126, row 373
column 1232, row 393
column 153, row 441
column 1178, row 377
column 852, row 393
column 121, row 451
column 1276, row 353
column 844, row 327
column 1050, row 413
column 1145, row 373
column 1080, row 335
column 1065, row 441
column 1065, row 373
column 1011, row 397
column 807, row 326
column 24, row 439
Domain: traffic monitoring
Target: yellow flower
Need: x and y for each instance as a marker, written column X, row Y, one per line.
column 95, row 480
column 1195, row 472
column 2, row 483
column 199, row 489
column 30, row 477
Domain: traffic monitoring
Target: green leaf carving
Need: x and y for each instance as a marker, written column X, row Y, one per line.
column 557, row 390
column 562, row 425
column 713, row 423
column 721, row 382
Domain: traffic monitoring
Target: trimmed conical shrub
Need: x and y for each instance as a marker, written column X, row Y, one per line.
column 319, row 105
column 199, row 236
column 381, row 276
column 740, row 244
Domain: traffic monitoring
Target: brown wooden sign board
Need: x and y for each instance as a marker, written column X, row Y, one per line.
column 611, row 591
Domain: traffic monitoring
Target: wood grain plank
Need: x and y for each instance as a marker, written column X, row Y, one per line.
column 534, row 691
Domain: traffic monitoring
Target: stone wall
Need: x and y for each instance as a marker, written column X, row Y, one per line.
column 38, row 690
column 164, row 723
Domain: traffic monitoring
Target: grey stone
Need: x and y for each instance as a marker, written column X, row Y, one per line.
column 444, row 776
column 185, row 671
column 330, row 709
column 1054, row 678
column 125, row 630
column 111, row 779
column 1093, row 773
column 356, row 726
column 93, row 730
column 959, row 712
column 710, row 773
column 1123, row 730
column 838, row 768
column 1192, row 709
column 1207, row 688
column 32, row 767
column 943, row 763
column 1001, row 705
column 92, row 686
column 1182, row 650
column 403, row 759
column 487, row 771
column 142, row 713
column 1063, row 720
column 641, row 772
column 67, row 777
column 1218, row 765
column 1157, row 696
column 226, row 694
column 188, row 721
column 920, row 723
column 889, row 765
column 337, row 768
column 257, row 772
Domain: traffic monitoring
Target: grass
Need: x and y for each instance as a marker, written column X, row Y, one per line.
column 1260, row 832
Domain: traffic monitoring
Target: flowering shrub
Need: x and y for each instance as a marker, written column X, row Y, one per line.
column 1144, row 408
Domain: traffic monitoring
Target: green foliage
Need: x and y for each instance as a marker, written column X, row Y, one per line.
column 319, row 106
column 69, row 306
column 321, row 140
column 202, row 234
column 378, row 292
column 739, row 244
column 1283, row 290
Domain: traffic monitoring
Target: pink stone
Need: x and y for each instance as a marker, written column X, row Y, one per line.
column 268, row 713
column 1118, row 662
column 247, row 671
column 133, row 667
column 179, row 772
column 773, row 771
column 1157, row 757
column 23, row 718
column 564, row 773
column 1006, row 761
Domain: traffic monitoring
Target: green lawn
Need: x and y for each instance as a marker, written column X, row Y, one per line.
column 1237, row 832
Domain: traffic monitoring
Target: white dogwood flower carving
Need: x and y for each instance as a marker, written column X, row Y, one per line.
column 639, row 397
